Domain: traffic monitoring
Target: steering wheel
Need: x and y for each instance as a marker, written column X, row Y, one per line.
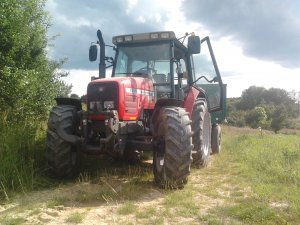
column 145, row 71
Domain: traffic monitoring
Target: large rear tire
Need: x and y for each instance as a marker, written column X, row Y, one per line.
column 172, row 159
column 216, row 139
column 61, row 156
column 201, row 127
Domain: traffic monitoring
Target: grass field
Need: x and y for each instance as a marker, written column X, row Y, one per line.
column 254, row 180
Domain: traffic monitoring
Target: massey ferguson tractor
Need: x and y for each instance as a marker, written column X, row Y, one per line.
column 159, row 98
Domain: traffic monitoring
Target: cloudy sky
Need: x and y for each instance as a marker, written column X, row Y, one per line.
column 255, row 42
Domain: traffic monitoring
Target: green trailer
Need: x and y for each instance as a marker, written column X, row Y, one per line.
column 211, row 91
column 218, row 116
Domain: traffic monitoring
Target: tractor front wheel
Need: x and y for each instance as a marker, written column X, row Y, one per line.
column 173, row 156
column 61, row 156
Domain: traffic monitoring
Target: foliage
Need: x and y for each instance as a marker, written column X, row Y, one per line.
column 279, row 118
column 270, row 108
column 256, row 117
column 251, row 97
column 21, row 157
column 29, row 81
column 235, row 117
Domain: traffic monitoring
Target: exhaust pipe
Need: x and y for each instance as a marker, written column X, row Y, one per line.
column 102, row 66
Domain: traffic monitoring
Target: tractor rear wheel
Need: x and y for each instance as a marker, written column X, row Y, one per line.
column 216, row 139
column 201, row 127
column 173, row 156
column 61, row 156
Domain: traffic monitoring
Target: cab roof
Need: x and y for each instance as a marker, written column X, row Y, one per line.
column 143, row 37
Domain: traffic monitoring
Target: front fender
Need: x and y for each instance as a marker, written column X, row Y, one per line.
column 69, row 101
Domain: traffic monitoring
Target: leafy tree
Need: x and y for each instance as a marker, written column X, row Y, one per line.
column 256, row 117
column 75, row 96
column 251, row 97
column 279, row 118
column 29, row 81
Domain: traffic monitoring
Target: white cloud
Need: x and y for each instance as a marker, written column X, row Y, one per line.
column 242, row 71
column 141, row 19
column 81, row 78
column 74, row 23
column 81, row 22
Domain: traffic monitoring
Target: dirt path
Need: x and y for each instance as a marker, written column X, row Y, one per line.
column 119, row 200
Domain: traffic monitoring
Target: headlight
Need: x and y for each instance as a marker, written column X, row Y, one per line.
column 95, row 106
column 109, row 105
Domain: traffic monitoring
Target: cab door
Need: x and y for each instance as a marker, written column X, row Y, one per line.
column 206, row 76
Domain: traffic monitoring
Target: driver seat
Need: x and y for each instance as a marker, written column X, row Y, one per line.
column 160, row 78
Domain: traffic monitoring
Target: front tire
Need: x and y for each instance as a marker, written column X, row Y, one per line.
column 61, row 156
column 172, row 158
column 201, row 127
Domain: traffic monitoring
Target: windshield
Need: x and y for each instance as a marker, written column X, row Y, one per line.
column 143, row 60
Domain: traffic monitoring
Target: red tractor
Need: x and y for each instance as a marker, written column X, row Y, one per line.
column 159, row 98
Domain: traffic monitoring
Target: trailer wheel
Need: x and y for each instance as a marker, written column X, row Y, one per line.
column 216, row 139
column 201, row 127
column 172, row 158
column 61, row 156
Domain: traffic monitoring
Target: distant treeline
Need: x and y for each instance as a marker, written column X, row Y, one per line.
column 272, row 109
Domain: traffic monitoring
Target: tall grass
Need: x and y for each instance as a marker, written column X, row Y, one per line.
column 21, row 157
column 270, row 164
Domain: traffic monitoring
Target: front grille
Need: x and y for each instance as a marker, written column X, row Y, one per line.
column 98, row 93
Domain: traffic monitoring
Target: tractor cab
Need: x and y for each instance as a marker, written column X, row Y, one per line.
column 172, row 66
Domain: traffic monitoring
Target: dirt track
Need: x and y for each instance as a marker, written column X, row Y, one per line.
column 114, row 200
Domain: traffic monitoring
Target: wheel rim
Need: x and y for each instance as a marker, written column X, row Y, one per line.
column 159, row 161
column 219, row 139
column 206, row 134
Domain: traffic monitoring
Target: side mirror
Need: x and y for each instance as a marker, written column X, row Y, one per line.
column 194, row 45
column 93, row 52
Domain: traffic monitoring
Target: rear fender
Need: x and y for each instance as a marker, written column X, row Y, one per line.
column 190, row 98
column 168, row 102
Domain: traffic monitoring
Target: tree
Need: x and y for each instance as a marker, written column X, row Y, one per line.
column 75, row 96
column 29, row 81
column 251, row 97
column 257, row 117
column 279, row 118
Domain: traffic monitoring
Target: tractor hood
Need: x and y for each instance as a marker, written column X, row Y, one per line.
column 128, row 95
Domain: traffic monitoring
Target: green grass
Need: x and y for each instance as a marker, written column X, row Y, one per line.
column 253, row 211
column 75, row 218
column 270, row 165
column 211, row 219
column 13, row 221
column 21, row 157
column 58, row 201
column 182, row 201
column 127, row 208
column 147, row 212
column 256, row 179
